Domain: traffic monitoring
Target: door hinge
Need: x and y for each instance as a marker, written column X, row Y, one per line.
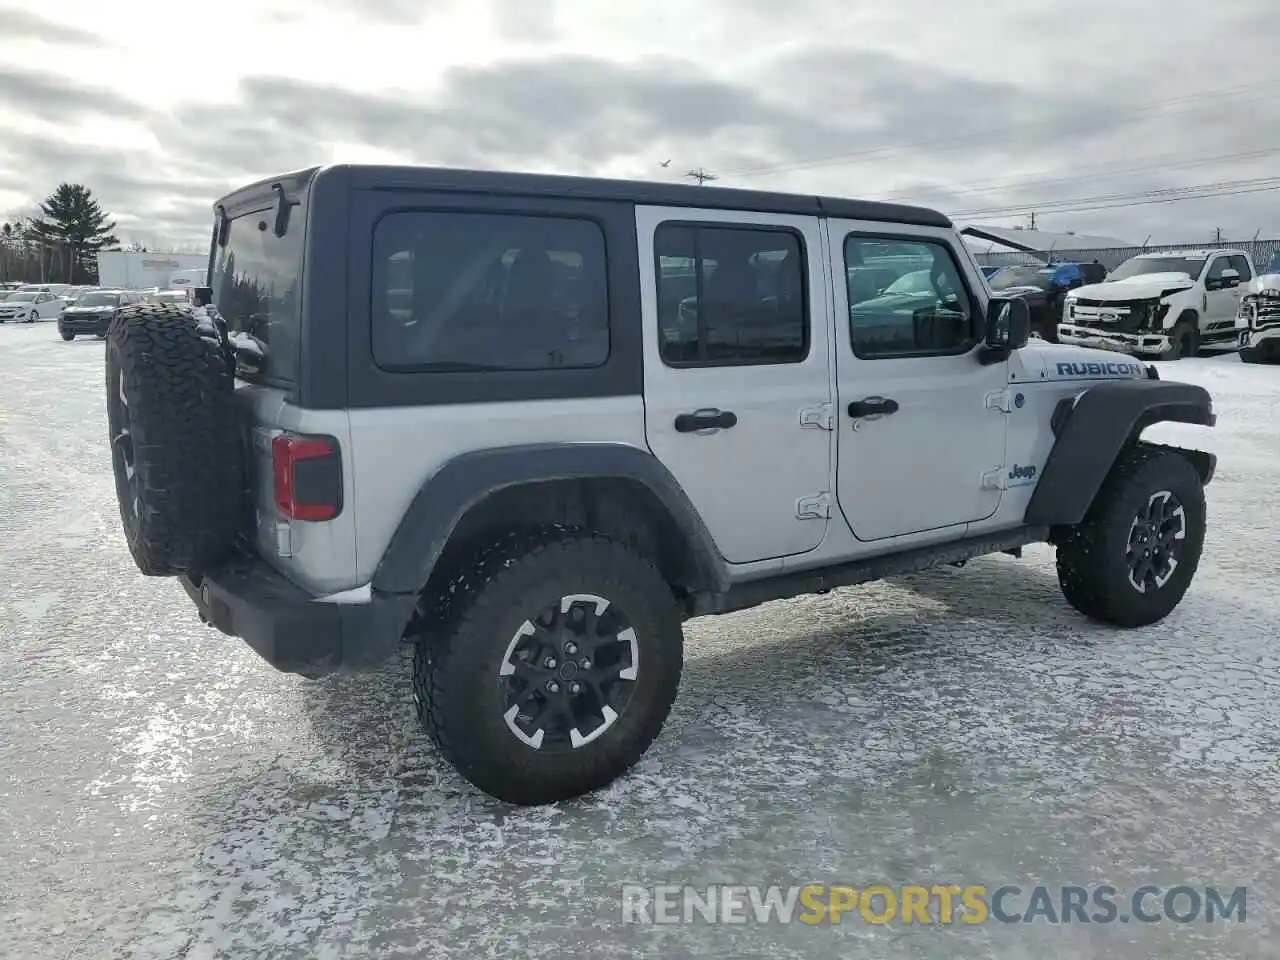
column 994, row 479
column 817, row 507
column 1001, row 400
column 821, row 416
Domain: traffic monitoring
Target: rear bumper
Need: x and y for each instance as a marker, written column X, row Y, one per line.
column 290, row 628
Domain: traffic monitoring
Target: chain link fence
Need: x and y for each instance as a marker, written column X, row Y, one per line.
column 1261, row 251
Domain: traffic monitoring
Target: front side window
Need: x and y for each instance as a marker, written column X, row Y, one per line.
column 730, row 295
column 477, row 291
column 910, row 303
column 1213, row 276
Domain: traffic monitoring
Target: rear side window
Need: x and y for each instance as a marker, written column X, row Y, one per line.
column 730, row 296
column 474, row 291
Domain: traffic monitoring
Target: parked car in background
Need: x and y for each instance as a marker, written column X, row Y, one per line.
column 1044, row 287
column 1260, row 311
column 1170, row 305
column 92, row 312
column 987, row 271
column 28, row 306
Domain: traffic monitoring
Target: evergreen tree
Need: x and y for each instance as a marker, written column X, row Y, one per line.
column 72, row 229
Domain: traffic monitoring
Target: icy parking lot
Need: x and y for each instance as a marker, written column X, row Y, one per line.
column 166, row 794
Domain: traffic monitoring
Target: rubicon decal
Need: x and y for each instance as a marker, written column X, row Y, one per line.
column 1097, row 369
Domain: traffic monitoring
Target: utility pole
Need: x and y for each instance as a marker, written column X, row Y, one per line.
column 701, row 175
column 1217, row 235
column 1033, row 219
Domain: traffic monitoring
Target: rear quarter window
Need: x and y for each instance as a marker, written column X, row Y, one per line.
column 478, row 291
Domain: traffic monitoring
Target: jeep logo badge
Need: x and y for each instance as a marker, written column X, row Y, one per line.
column 1020, row 476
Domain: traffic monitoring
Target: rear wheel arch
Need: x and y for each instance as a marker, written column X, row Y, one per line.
column 612, row 489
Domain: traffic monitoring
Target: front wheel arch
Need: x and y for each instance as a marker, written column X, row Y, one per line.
column 1095, row 429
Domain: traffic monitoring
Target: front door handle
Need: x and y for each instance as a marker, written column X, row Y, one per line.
column 705, row 420
column 872, row 406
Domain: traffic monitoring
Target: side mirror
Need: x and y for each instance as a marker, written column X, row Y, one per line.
column 1008, row 324
column 1230, row 278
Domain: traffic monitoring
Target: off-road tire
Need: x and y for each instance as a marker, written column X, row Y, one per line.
column 1092, row 569
column 66, row 335
column 463, row 641
column 1184, row 341
column 183, row 436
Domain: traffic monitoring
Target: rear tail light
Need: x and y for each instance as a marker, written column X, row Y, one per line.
column 308, row 476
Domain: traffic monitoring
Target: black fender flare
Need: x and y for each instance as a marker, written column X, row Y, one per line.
column 466, row 480
column 1092, row 428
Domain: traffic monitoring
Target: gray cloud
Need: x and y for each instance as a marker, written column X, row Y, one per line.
column 572, row 113
column 49, row 96
column 527, row 21
column 926, row 122
column 24, row 25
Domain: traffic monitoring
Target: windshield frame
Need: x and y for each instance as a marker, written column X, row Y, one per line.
column 1119, row 273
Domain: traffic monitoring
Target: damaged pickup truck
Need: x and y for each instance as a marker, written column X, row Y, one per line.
column 1163, row 305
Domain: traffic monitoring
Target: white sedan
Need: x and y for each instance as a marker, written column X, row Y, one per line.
column 28, row 306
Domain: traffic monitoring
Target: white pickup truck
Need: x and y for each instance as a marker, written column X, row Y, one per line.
column 1168, row 305
column 1260, row 309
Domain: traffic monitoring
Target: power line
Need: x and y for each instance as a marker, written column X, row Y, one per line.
column 1084, row 174
column 1197, row 196
column 844, row 158
column 1125, row 195
column 1225, row 188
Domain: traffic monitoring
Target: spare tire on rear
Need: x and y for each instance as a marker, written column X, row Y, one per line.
column 175, row 440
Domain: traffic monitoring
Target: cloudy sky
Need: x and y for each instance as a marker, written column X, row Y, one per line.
column 986, row 109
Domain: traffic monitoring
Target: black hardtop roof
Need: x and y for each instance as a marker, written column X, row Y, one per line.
column 386, row 177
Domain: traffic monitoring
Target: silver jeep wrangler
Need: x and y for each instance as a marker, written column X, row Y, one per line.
column 530, row 424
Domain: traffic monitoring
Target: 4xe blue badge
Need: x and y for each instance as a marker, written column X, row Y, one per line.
column 1020, row 476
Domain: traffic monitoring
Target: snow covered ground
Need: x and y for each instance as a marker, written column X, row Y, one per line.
column 166, row 794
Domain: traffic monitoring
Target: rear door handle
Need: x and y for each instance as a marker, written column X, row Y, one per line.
column 705, row 420
column 872, row 406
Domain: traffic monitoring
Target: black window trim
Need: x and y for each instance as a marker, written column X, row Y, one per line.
column 1244, row 262
column 975, row 311
column 340, row 369
column 434, row 369
column 735, row 225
